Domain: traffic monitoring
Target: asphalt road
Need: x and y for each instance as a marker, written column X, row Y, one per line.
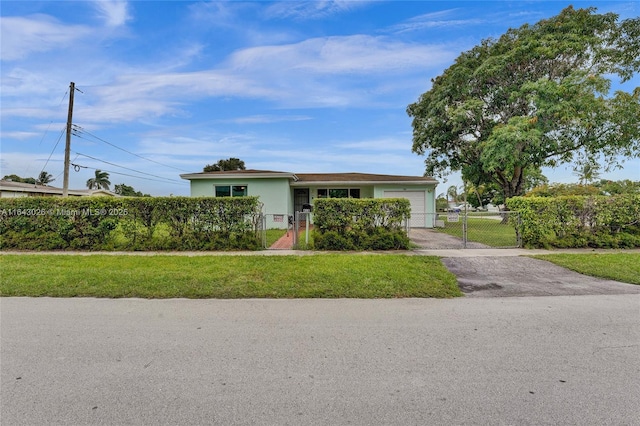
column 520, row 360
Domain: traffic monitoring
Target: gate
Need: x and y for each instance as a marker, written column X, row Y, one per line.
column 476, row 230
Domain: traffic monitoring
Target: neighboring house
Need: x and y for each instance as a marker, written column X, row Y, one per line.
column 285, row 193
column 10, row 189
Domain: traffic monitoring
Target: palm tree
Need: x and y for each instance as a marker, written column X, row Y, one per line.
column 44, row 178
column 588, row 173
column 100, row 181
column 452, row 193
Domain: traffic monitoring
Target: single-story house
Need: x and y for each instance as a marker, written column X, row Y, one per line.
column 10, row 189
column 283, row 193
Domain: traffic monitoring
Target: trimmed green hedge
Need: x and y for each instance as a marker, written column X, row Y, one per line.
column 360, row 224
column 105, row 223
column 578, row 221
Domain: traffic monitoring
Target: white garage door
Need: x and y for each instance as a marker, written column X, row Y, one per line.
column 417, row 201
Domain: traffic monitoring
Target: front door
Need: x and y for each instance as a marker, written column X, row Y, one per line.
column 300, row 197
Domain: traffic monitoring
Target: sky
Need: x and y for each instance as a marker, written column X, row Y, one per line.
column 167, row 87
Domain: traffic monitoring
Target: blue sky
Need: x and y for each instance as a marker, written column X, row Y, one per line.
column 286, row 86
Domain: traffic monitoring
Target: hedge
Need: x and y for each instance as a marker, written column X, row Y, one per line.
column 360, row 224
column 578, row 221
column 106, row 223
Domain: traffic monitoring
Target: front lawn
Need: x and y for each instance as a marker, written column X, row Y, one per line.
column 162, row 276
column 624, row 267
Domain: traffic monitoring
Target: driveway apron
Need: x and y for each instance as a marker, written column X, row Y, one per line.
column 493, row 276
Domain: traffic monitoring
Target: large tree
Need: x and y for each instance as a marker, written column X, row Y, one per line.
column 99, row 181
column 223, row 165
column 537, row 96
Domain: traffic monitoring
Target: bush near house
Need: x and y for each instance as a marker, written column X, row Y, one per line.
column 578, row 221
column 360, row 224
column 101, row 223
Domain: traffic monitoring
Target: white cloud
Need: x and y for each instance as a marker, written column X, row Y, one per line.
column 340, row 54
column 19, row 135
column 115, row 13
column 265, row 119
column 303, row 10
column 434, row 20
column 22, row 36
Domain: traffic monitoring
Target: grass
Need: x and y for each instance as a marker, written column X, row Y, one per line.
column 316, row 276
column 624, row 267
column 487, row 231
column 274, row 235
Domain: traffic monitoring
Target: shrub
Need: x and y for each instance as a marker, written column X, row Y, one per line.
column 578, row 221
column 105, row 223
column 360, row 224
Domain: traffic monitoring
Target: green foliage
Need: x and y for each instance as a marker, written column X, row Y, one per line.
column 105, row 223
column 99, row 181
column 128, row 191
column 360, row 224
column 576, row 221
column 44, row 178
column 16, row 178
column 222, row 165
column 537, row 96
column 441, row 204
column 562, row 189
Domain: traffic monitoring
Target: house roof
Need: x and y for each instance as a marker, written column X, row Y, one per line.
column 305, row 178
column 10, row 186
column 225, row 174
column 301, row 179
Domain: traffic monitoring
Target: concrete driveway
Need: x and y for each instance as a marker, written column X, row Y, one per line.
column 483, row 271
column 509, row 276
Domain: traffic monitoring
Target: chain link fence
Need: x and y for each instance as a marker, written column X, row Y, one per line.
column 456, row 230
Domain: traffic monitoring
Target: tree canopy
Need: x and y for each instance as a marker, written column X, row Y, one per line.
column 223, row 165
column 99, row 181
column 537, row 96
column 44, row 178
column 128, row 191
column 16, row 178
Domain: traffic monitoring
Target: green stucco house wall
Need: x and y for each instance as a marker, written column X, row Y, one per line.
column 283, row 193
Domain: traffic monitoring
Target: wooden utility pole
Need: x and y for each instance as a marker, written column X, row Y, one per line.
column 67, row 146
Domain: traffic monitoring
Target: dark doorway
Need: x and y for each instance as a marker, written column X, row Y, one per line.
column 300, row 197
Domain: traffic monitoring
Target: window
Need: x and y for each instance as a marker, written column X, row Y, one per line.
column 239, row 191
column 223, row 191
column 339, row 193
column 231, row 190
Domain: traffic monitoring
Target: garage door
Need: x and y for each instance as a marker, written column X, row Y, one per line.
column 417, row 201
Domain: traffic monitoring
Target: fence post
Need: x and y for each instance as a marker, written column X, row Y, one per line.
column 294, row 228
column 519, row 230
column 464, row 229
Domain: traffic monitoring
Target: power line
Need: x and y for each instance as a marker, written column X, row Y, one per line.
column 126, row 168
column 77, row 129
column 125, row 174
column 52, row 151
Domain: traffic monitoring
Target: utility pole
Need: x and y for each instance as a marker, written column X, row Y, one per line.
column 67, row 146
